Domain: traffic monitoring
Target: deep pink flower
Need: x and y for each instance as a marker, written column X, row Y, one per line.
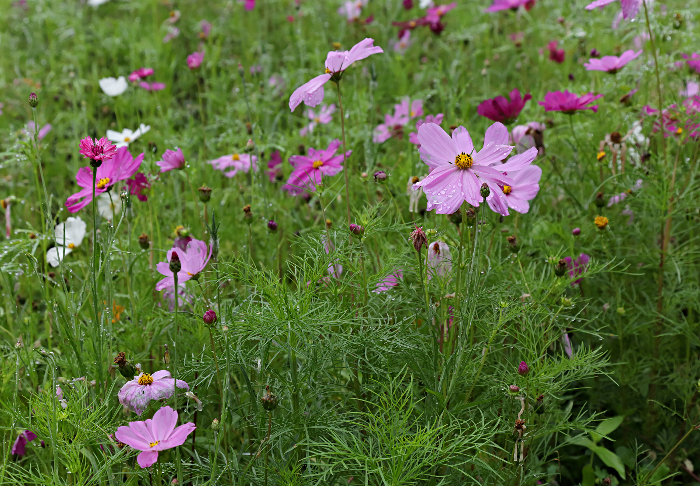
column 389, row 282
column 249, row 4
column 239, row 162
column 435, row 14
column 113, row 170
column 20, row 445
column 152, row 86
column 499, row 5
column 206, row 29
column 404, row 42
column 323, row 117
column 172, row 160
column 526, row 185
column 101, row 149
column 556, row 55
column 140, row 73
column 154, row 435
column 577, row 267
column 612, row 64
column 693, row 61
column 274, row 166
column 629, row 7
column 337, row 62
column 136, row 394
column 501, row 110
column 413, row 136
column 195, row 59
column 43, row 131
column 439, row 259
column 137, row 185
column 569, row 103
column 309, row 169
column 192, row 261
column 410, row 25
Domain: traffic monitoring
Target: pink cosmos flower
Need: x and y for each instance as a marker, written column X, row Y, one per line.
column 569, row 103
column 612, row 64
column 337, row 62
column 255, row 69
column 413, row 136
column 152, row 86
column 556, row 55
column 393, row 125
column 192, row 261
column 309, row 169
column 691, row 89
column 439, row 259
column 249, row 4
column 43, row 131
column 458, row 171
column 526, row 185
column 113, row 170
column 499, row 5
column 577, row 267
column 101, row 149
column 629, row 7
column 324, row 117
column 529, row 135
column 404, row 42
column 173, row 32
column 274, row 166
column 402, row 109
column 136, row 394
column 239, row 162
column 206, row 29
column 20, row 445
column 389, row 282
column 171, row 160
column 501, row 110
column 567, row 345
column 195, row 59
column 140, row 73
column 434, row 14
column 352, row 10
column 154, row 435
column 137, row 185
column 693, row 61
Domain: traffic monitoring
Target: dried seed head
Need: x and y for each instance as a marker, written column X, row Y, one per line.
column 269, row 401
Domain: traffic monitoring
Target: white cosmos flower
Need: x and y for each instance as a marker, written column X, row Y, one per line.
column 425, row 4
column 112, row 86
column 124, row 138
column 68, row 235
column 107, row 207
column 96, row 3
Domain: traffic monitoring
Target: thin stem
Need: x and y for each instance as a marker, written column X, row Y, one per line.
column 345, row 150
column 424, row 285
column 178, row 460
column 658, row 78
column 483, row 358
column 94, row 269
column 458, row 292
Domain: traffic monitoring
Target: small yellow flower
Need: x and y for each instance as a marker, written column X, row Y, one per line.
column 600, row 156
column 601, row 222
column 679, row 131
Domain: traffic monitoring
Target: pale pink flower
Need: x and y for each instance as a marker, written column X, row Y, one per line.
column 527, row 136
column 140, row 73
column 394, row 124
column 152, row 86
column 323, row 117
column 389, row 282
column 629, row 7
column 526, row 185
column 154, row 435
column 173, row 32
column 612, row 64
column 136, row 394
column 499, row 5
column 43, row 131
column 172, row 160
column 239, row 162
column 192, row 261
column 404, row 42
column 351, row 10
column 439, row 259
column 195, row 59
column 413, row 136
column 309, row 169
column 691, row 89
column 337, row 62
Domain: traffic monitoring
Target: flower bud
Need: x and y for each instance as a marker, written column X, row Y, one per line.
column 301, row 149
column 33, row 100
column 364, row 175
column 599, row 201
column 455, row 218
column 247, row 213
column 513, row 244
column 431, row 232
column 523, row 369
column 175, row 265
column 560, row 268
column 269, row 401
column 514, row 389
column 126, row 369
column 215, row 425
column 249, row 146
column 566, row 302
column 209, row 317
column 357, row 230
column 485, row 191
column 204, row 194
column 329, row 223
column 272, row 226
column 380, row 176
column 576, row 231
column 471, row 216
column 621, row 311
column 241, row 70
column 143, row 241
column 249, row 128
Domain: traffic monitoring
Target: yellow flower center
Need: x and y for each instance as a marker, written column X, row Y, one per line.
column 601, row 222
column 328, row 71
column 679, row 131
column 145, row 379
column 235, row 157
column 413, row 114
column 600, row 156
column 3, row 203
column 415, row 179
column 172, row 13
column 127, row 139
column 317, row 119
column 71, row 245
column 507, row 190
column 317, row 164
column 464, row 161
column 102, row 183
column 153, row 444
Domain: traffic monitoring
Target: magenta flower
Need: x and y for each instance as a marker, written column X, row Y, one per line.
column 136, row 394
column 401, row 46
column 205, row 29
column 239, row 162
column 501, row 110
column 113, row 170
column 249, row 4
column 629, row 7
column 611, row 64
column 439, row 259
column 140, row 73
column 195, row 59
column 523, row 368
column 569, row 103
column 413, row 136
column 337, row 62
column 434, row 14
column 577, row 267
column 693, row 61
column 323, row 117
column 389, row 282
column 526, row 185
column 193, row 260
column 499, row 5
column 556, row 55
column 154, row 435
column 274, row 166
column 458, row 171
column 152, row 86
column 309, row 169
column 20, row 445
column 101, row 149
column 43, row 131
column 137, row 185
column 171, row 160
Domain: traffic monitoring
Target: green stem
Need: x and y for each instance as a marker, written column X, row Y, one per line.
column 458, row 292
column 178, row 460
column 658, row 78
column 346, row 169
column 97, row 324
column 483, row 358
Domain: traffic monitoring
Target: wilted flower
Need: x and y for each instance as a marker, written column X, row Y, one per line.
column 19, row 447
column 555, row 54
column 419, row 238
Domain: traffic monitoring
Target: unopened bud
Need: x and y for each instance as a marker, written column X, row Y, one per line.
column 513, row 244
column 560, row 268
column 523, row 368
column 241, row 71
column 513, row 389
column 247, row 213
column 357, row 230
column 204, row 194
column 269, row 401
column 33, row 100
column 576, row 231
column 485, row 191
column 175, row 265
column 272, row 226
column 209, row 317
column 215, row 425
column 249, row 128
column 380, row 176
column 143, row 241
column 249, row 146
column 471, row 216
column 599, row 201
column 566, row 302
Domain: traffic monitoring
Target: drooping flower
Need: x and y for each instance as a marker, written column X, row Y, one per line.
column 309, row 169
column 113, row 87
column 20, row 445
column 555, row 54
column 155, row 86
column 458, row 171
column 337, row 62
column 112, row 170
column 172, row 160
column 529, row 135
column 612, row 64
column 239, row 162
column 629, row 7
column 499, row 109
column 154, row 435
column 499, row 5
column 526, row 185
column 43, row 131
column 569, row 103
column 323, row 117
column 274, row 166
column 140, row 73
column 389, row 282
column 401, row 46
column 577, row 267
column 439, row 259
column 413, row 136
column 126, row 136
column 68, row 236
column 193, row 260
column 195, row 59
column 137, row 185
column 136, row 394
